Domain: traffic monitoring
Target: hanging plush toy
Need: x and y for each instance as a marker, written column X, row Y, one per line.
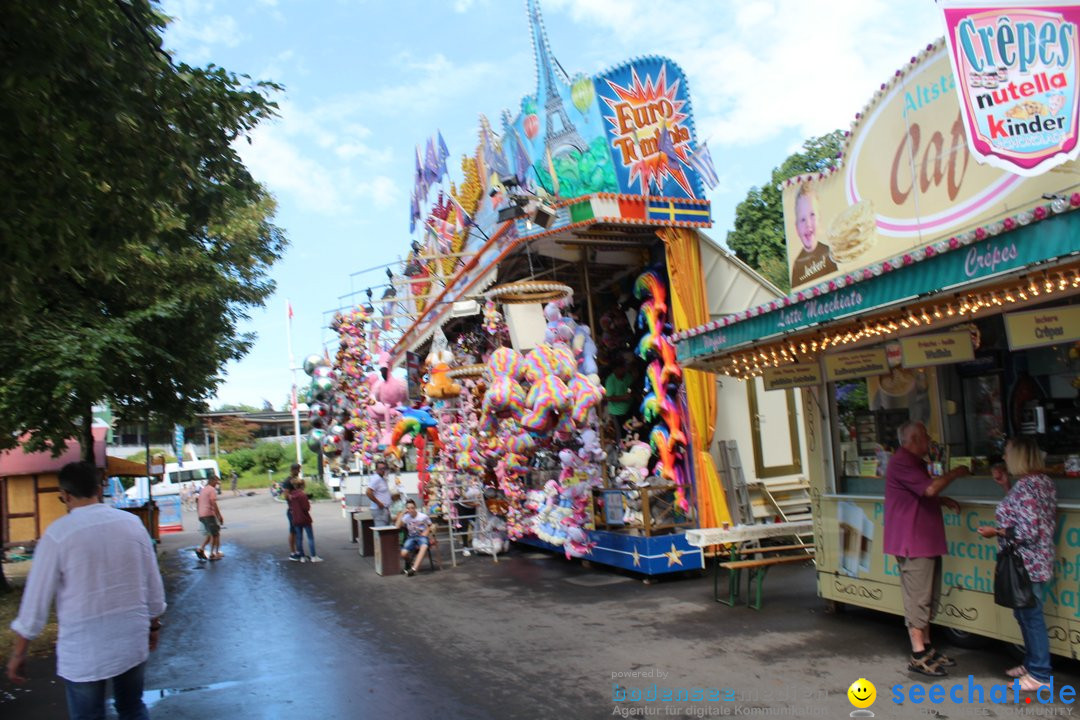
column 440, row 386
column 413, row 422
column 587, row 395
column 504, row 396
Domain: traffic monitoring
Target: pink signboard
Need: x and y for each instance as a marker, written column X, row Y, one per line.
column 1016, row 76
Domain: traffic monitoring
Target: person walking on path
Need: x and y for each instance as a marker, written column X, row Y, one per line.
column 300, row 506
column 234, row 481
column 915, row 535
column 378, row 492
column 99, row 565
column 1027, row 518
column 210, row 517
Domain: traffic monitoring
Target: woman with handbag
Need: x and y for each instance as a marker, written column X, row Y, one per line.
column 1026, row 520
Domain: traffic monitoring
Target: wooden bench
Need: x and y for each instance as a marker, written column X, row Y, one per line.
column 756, row 569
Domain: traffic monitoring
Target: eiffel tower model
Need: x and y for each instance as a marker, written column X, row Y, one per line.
column 561, row 136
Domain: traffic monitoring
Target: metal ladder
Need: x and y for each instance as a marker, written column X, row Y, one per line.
column 731, row 467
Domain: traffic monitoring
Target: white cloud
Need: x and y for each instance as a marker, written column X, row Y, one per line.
column 757, row 70
column 197, row 28
column 282, row 166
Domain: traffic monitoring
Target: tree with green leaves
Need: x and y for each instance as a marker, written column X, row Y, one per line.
column 758, row 237
column 133, row 238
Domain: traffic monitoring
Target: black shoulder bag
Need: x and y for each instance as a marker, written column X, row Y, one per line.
column 1012, row 585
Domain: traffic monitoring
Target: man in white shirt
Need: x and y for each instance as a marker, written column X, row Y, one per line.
column 99, row 564
column 378, row 492
column 417, row 525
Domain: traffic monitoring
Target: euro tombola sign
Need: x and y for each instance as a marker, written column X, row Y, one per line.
column 1016, row 76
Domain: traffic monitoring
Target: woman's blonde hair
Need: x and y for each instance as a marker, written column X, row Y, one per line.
column 1023, row 456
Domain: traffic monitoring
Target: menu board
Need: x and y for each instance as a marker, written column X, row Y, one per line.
column 1036, row 328
column 938, row 349
column 858, row 364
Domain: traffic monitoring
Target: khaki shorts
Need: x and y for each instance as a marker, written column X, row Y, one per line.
column 920, row 584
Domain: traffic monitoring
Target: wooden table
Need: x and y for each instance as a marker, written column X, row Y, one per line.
column 737, row 535
column 703, row 537
column 387, row 549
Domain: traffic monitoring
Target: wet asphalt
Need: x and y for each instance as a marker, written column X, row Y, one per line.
column 532, row 636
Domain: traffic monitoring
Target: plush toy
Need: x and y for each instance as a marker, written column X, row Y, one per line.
column 548, row 398
column 415, row 421
column 591, row 450
column 504, row 396
column 439, row 385
column 587, row 395
column 585, row 350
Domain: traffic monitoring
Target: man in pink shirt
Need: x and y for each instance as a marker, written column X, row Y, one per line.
column 915, row 535
column 210, row 517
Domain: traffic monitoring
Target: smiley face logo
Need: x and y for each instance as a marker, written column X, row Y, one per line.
column 862, row 693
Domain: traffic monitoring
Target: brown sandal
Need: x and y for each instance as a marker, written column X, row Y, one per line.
column 942, row 659
column 1018, row 671
column 926, row 665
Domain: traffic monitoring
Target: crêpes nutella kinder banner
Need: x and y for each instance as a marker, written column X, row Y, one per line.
column 1017, row 78
column 907, row 179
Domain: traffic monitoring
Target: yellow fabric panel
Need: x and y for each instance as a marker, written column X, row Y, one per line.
column 689, row 309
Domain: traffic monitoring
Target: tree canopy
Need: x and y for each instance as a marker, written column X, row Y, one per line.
column 758, row 237
column 132, row 237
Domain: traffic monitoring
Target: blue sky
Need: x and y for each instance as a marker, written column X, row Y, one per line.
column 366, row 80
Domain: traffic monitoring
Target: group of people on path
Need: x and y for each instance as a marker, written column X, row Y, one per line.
column 915, row 535
column 417, row 524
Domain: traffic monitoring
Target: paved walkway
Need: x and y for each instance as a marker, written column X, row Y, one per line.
column 533, row 636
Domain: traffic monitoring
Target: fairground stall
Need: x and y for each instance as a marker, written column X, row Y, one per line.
column 931, row 287
column 559, row 265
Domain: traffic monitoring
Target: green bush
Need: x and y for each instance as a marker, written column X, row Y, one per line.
column 239, row 460
column 317, row 490
column 271, row 457
column 140, row 457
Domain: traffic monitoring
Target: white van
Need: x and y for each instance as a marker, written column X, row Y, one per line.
column 193, row 474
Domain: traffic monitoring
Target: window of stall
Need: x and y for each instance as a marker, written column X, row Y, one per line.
column 970, row 408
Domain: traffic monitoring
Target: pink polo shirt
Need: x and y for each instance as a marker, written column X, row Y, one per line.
column 913, row 523
column 207, row 501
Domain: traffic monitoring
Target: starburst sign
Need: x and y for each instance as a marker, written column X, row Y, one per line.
column 648, row 130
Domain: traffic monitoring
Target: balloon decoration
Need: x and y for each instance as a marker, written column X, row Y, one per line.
column 532, row 126
column 582, row 93
column 662, row 379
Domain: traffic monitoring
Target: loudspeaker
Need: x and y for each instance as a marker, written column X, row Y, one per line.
column 543, row 216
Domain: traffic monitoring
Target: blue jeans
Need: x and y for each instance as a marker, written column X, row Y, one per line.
column 1036, row 643
column 300, row 539
column 86, row 700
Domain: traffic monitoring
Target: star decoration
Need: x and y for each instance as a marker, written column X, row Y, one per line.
column 637, row 558
column 674, row 557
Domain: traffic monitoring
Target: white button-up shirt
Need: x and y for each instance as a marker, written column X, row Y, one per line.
column 99, row 564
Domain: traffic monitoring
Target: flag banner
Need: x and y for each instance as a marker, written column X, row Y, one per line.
column 701, row 160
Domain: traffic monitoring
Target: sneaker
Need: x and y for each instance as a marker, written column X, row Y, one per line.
column 410, row 572
column 304, row 559
column 294, row 557
column 404, row 571
column 315, row 558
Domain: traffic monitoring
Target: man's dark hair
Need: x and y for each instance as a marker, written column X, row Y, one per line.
column 294, row 469
column 410, row 502
column 80, row 479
